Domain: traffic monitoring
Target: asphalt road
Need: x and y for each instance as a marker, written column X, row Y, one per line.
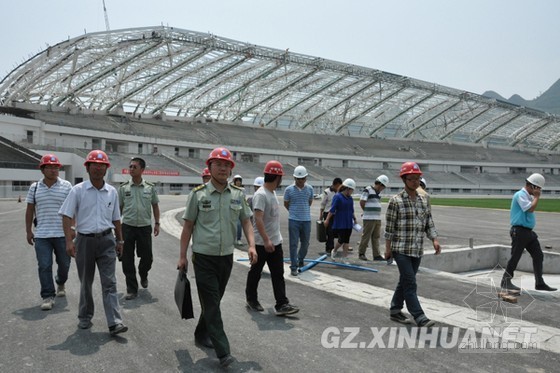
column 159, row 341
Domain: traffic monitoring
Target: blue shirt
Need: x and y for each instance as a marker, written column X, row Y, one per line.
column 518, row 215
column 343, row 210
column 300, row 201
column 95, row 209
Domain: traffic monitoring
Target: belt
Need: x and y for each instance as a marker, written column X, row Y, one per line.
column 101, row 234
column 520, row 226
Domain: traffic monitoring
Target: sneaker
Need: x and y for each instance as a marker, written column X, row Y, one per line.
column 350, row 249
column 116, row 329
column 294, row 272
column 47, row 304
column 286, row 309
column 226, row 360
column 85, row 324
column 426, row 323
column 144, row 282
column 345, row 261
column 378, row 258
column 544, row 287
column 255, row 305
column 363, row 257
column 400, row 317
column 130, row 296
column 333, row 254
column 60, row 290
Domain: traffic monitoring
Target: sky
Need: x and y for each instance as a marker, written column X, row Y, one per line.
column 508, row 46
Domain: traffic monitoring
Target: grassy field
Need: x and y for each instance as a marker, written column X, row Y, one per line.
column 545, row 204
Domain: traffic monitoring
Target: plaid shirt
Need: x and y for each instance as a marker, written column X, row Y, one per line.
column 407, row 221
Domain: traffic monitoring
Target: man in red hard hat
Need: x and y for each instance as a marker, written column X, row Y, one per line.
column 268, row 239
column 210, row 219
column 94, row 205
column 205, row 175
column 409, row 217
column 44, row 198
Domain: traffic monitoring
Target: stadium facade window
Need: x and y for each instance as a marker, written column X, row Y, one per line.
column 20, row 186
column 454, row 190
column 176, row 151
column 30, row 137
column 96, row 143
column 345, row 163
column 192, row 153
column 140, row 148
column 176, row 187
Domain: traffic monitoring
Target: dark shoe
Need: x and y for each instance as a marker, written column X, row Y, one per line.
column 363, row 257
column 544, row 287
column 130, row 296
column 507, row 285
column 294, row 272
column 300, row 264
column 204, row 341
column 144, row 282
column 426, row 323
column 116, row 329
column 255, row 305
column 286, row 309
column 400, row 317
column 226, row 360
column 85, row 324
column 379, row 258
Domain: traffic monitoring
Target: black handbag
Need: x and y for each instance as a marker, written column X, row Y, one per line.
column 183, row 297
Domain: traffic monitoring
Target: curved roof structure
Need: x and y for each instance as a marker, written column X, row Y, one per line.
column 168, row 71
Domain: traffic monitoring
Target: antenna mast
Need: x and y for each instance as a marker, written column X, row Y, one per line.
column 106, row 17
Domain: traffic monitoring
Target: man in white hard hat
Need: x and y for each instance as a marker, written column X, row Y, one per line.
column 298, row 198
column 238, row 182
column 370, row 202
column 522, row 219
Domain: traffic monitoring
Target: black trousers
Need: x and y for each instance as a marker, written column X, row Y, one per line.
column 136, row 240
column 212, row 275
column 524, row 238
column 329, row 244
column 275, row 262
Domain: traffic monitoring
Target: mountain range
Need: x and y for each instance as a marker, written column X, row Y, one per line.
column 548, row 102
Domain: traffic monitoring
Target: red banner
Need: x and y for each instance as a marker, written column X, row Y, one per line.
column 154, row 172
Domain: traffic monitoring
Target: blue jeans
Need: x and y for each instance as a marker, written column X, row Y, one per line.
column 44, row 248
column 299, row 232
column 406, row 288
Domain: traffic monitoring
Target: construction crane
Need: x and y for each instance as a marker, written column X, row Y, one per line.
column 106, row 17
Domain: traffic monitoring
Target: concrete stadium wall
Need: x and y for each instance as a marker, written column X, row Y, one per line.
column 485, row 257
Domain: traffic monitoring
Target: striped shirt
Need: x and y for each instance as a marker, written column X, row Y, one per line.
column 372, row 208
column 47, row 201
column 300, row 201
column 407, row 222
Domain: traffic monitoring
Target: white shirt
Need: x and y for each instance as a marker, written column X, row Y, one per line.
column 94, row 209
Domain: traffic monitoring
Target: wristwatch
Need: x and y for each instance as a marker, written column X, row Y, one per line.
column 157, row 222
column 120, row 242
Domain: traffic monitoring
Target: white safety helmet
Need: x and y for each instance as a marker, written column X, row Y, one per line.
column 300, row 172
column 237, row 177
column 259, row 181
column 423, row 183
column 349, row 183
column 383, row 180
column 537, row 180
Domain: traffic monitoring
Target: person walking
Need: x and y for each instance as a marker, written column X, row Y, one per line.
column 210, row 219
column 522, row 219
column 342, row 216
column 268, row 243
column 408, row 218
column 298, row 198
column 137, row 199
column 326, row 203
column 238, row 182
column 44, row 199
column 94, row 205
column 370, row 202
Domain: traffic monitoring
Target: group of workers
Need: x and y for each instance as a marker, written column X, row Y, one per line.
column 96, row 224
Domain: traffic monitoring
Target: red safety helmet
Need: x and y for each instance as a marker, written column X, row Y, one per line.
column 220, row 153
column 97, row 156
column 205, row 172
column 49, row 159
column 274, row 168
column 409, row 168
